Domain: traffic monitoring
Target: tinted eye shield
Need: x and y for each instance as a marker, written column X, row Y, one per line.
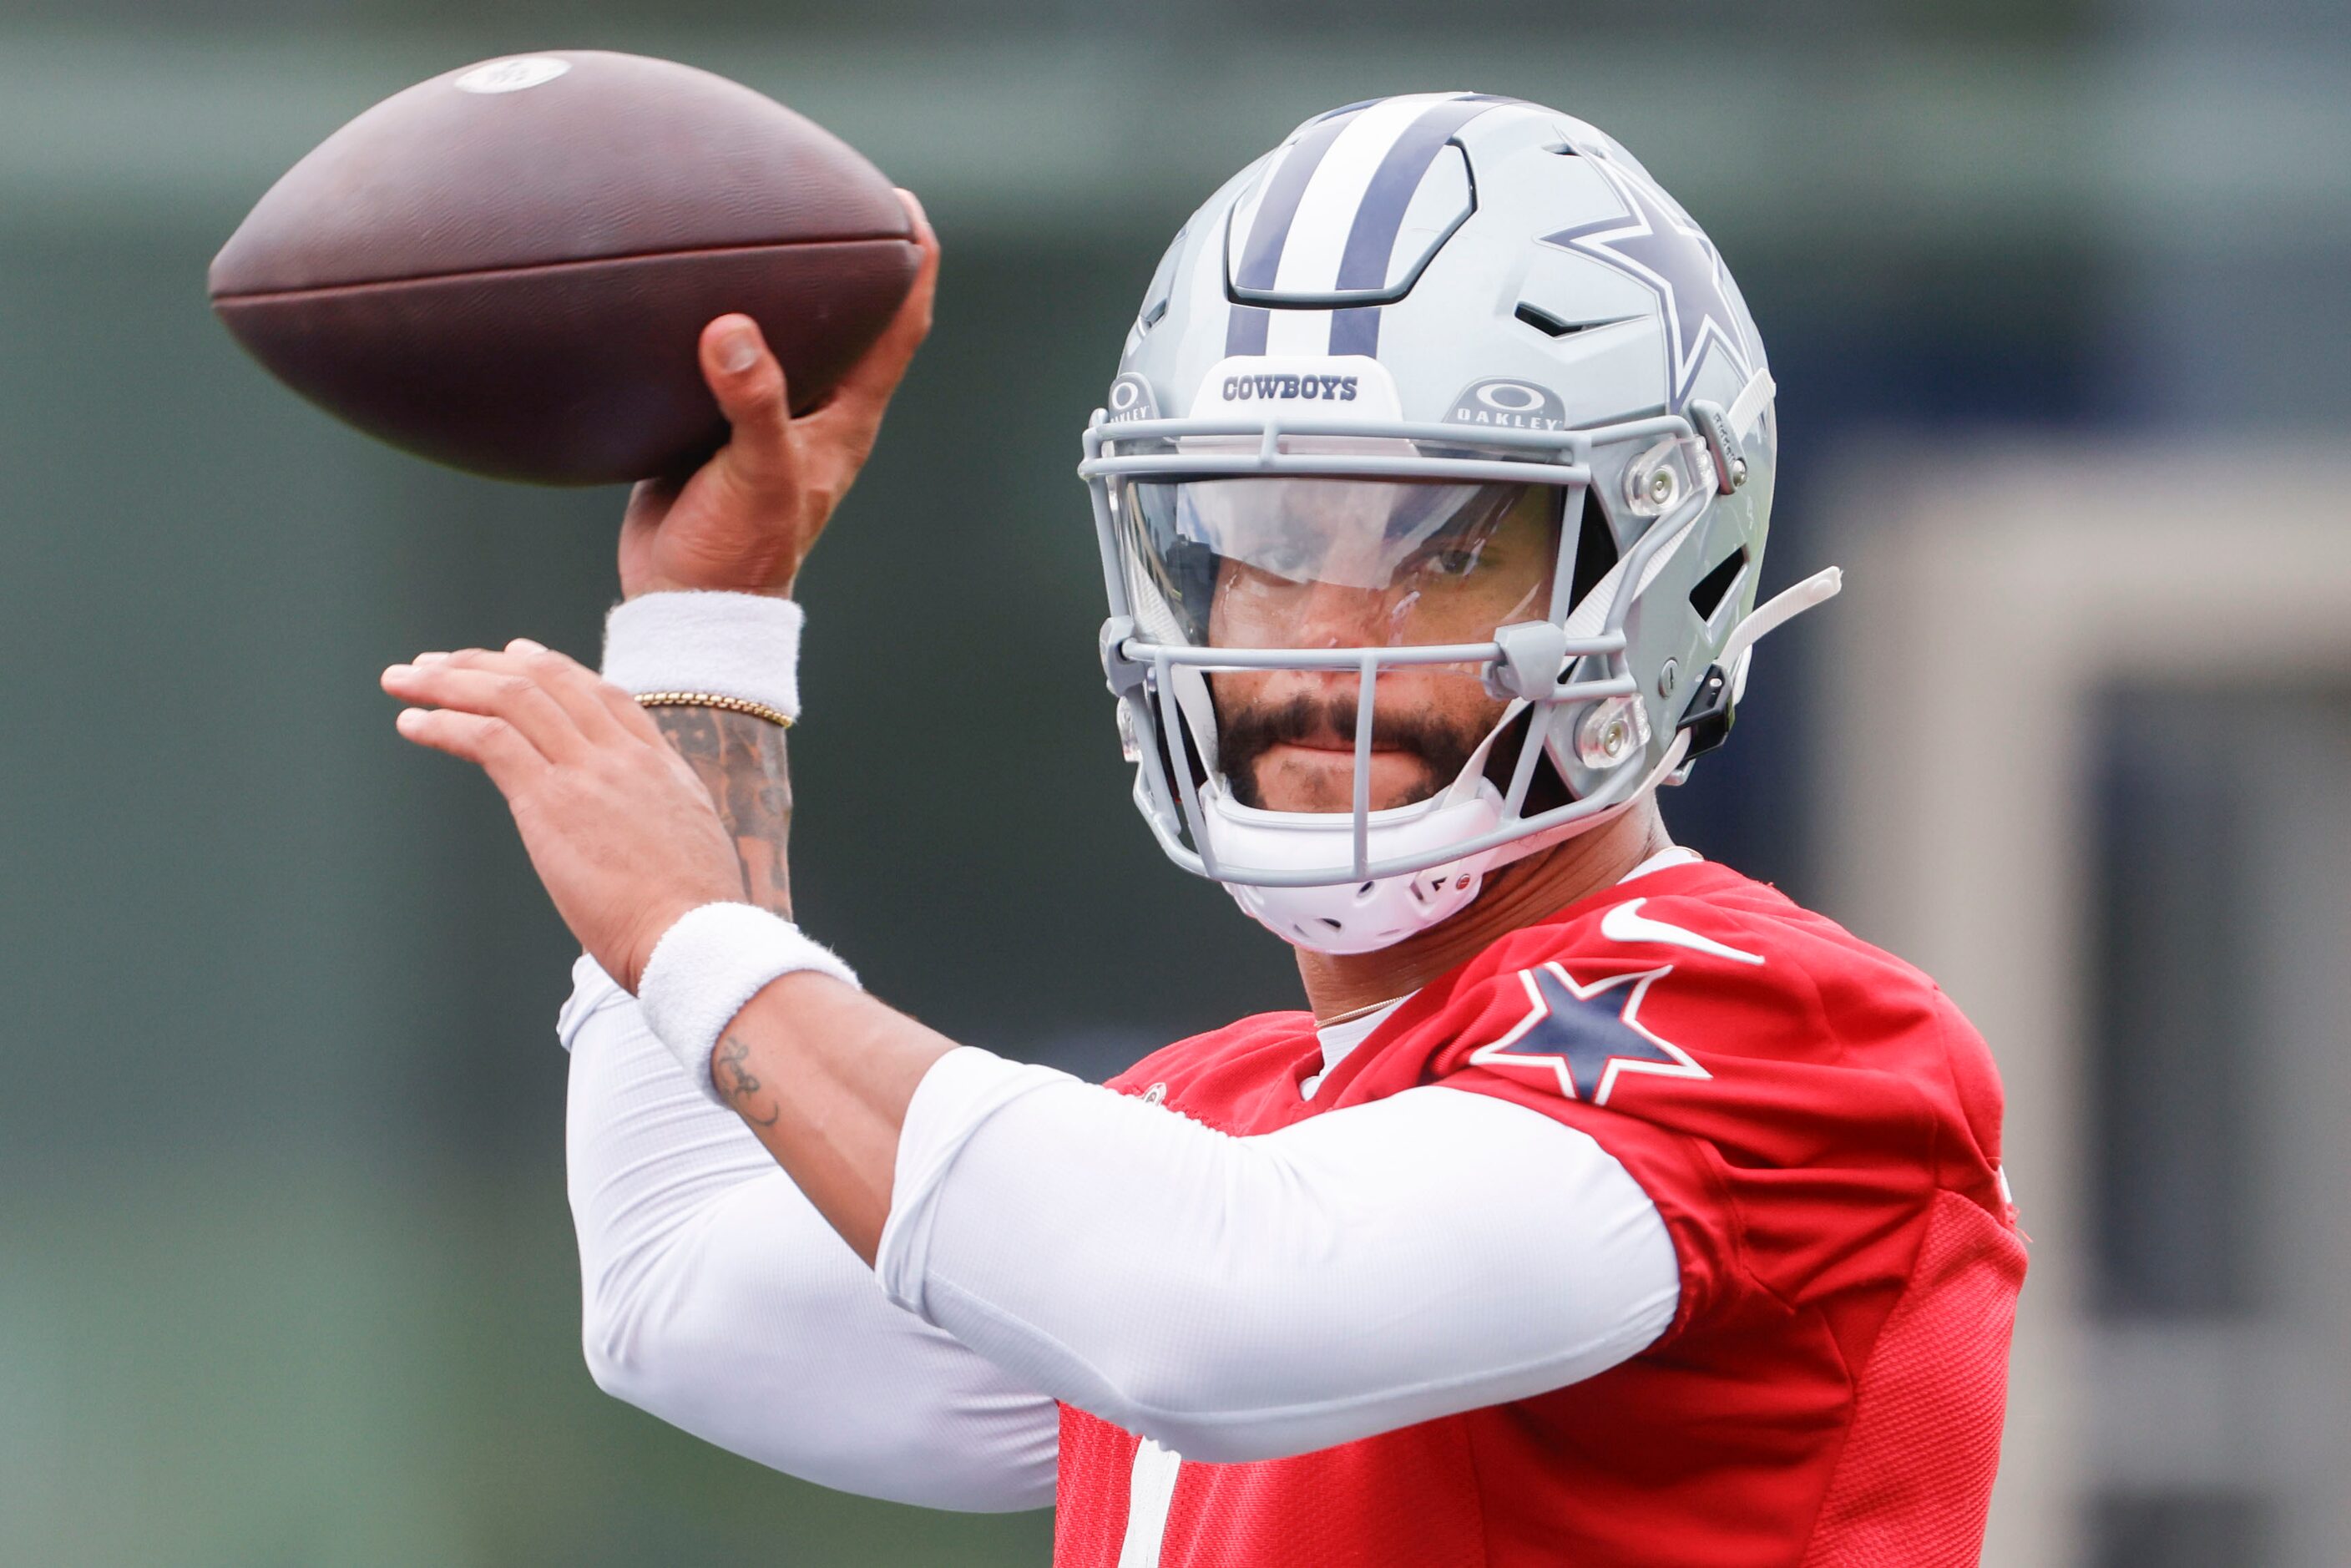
column 1561, row 458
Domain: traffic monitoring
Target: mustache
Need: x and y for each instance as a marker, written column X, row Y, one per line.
column 1243, row 739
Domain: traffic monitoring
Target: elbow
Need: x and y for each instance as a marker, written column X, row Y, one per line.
column 627, row 1356
column 1203, row 1391
column 612, row 1362
column 1212, row 1433
column 612, row 1369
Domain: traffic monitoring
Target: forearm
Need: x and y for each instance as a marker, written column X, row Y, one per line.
column 739, row 646
column 823, row 1073
column 742, row 760
column 851, row 1063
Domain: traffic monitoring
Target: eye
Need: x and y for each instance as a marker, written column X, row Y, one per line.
column 1459, row 561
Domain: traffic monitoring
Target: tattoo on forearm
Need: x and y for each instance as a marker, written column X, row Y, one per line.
column 730, row 1069
column 741, row 761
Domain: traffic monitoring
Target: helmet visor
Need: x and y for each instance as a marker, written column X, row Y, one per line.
column 1297, row 561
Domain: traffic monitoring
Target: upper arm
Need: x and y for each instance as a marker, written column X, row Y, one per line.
column 1243, row 1298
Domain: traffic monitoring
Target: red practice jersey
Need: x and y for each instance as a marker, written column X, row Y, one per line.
column 1819, row 1129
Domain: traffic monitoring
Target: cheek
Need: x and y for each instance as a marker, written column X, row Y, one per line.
column 1245, row 612
column 1236, row 691
column 1444, row 698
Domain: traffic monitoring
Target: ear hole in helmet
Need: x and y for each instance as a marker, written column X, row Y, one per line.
column 1595, row 548
column 1177, row 751
column 1546, row 790
column 1707, row 597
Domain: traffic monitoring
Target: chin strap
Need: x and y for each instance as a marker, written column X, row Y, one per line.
column 1706, row 723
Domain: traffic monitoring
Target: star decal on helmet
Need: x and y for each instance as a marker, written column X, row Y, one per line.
column 1585, row 1038
column 1657, row 245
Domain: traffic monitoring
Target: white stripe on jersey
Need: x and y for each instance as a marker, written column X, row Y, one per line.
column 1150, row 1489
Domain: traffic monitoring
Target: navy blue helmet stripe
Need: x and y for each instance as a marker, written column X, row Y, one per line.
column 1372, row 238
column 1262, row 255
column 1245, row 328
column 1356, row 331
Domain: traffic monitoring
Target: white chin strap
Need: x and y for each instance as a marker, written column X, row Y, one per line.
column 1348, row 916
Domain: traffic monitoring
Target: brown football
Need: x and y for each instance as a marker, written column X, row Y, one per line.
column 507, row 268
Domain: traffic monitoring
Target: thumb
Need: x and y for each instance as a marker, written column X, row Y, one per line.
column 748, row 383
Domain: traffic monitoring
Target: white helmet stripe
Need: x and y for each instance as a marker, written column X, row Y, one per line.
column 1260, row 225
column 1325, row 218
column 1298, row 332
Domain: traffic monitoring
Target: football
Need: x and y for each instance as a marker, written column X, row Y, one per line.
column 507, row 268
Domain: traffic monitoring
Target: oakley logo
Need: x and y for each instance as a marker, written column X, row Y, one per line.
column 1511, row 397
column 1508, row 405
column 1130, row 398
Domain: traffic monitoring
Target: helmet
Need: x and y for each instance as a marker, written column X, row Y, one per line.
column 1456, row 362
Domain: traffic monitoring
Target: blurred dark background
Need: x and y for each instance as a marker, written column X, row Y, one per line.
column 286, row 1273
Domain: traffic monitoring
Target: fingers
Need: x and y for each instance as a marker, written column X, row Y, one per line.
column 512, row 698
column 866, row 389
column 578, row 690
column 551, row 701
column 491, row 744
column 749, row 386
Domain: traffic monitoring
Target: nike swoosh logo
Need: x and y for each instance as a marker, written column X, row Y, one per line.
column 1626, row 923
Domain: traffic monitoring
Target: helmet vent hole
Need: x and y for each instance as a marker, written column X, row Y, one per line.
column 1364, row 890
column 1716, row 585
column 1543, row 321
column 1333, row 925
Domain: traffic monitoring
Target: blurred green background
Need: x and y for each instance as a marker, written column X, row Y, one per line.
column 286, row 1273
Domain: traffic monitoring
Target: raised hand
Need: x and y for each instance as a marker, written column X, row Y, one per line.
column 747, row 519
column 616, row 823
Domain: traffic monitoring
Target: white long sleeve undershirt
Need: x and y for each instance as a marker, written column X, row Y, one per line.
column 1246, row 1298
column 717, row 1298
column 1231, row 1298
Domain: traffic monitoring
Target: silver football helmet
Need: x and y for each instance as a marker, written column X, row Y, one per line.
column 1442, row 406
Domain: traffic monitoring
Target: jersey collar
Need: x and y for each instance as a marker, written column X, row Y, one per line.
column 1339, row 1038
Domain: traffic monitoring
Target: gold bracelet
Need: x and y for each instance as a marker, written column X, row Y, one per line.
column 712, row 699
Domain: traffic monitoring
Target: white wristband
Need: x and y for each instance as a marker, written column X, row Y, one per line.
column 712, row 962
column 744, row 645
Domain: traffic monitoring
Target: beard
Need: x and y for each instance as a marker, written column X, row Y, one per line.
column 1442, row 750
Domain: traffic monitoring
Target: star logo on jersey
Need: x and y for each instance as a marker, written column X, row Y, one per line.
column 1657, row 245
column 1587, row 1037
